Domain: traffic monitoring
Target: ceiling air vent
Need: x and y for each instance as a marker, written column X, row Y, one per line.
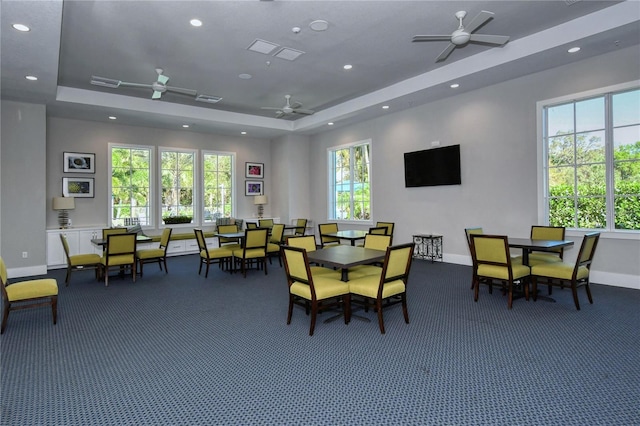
column 208, row 99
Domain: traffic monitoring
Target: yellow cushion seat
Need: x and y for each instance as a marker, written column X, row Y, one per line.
column 325, row 286
column 84, row 259
column 249, row 253
column 502, row 272
column 538, row 258
column 365, row 270
column 217, row 253
column 368, row 286
column 119, row 259
column 32, row 289
column 150, row 253
column 559, row 270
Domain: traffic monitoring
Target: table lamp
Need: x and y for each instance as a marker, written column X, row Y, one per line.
column 63, row 205
column 260, row 201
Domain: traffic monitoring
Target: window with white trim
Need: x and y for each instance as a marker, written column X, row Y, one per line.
column 591, row 161
column 218, row 185
column 177, row 183
column 130, row 185
column 350, row 182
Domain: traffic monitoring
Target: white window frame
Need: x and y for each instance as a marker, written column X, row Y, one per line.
column 542, row 177
column 152, row 150
column 331, row 201
column 196, row 194
column 234, row 187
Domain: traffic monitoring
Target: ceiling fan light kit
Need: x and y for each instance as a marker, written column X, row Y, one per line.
column 289, row 108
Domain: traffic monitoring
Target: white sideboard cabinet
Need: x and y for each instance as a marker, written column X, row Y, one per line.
column 79, row 240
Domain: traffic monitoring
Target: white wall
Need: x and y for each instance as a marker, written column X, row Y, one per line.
column 496, row 128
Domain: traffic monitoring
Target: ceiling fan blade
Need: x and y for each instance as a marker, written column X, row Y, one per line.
column 190, row 92
column 272, row 108
column 126, row 84
column 446, row 52
column 431, row 38
column 163, row 78
column 280, row 114
column 156, row 95
column 295, row 105
column 303, row 111
column 493, row 39
column 478, row 21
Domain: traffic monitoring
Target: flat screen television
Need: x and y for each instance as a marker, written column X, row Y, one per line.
column 432, row 167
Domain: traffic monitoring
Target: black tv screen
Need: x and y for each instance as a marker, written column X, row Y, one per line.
column 432, row 167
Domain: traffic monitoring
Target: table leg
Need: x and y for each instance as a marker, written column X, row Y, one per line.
column 345, row 275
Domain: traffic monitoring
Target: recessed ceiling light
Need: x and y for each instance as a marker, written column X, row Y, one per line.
column 112, row 117
column 319, row 25
column 348, row 67
column 385, row 106
column 31, row 77
column 21, row 27
column 330, row 123
column 196, row 22
column 454, row 86
column 186, row 126
column 245, row 76
column 574, row 50
column 243, row 133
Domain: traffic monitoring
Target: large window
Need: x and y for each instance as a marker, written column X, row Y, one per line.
column 130, row 185
column 591, row 153
column 350, row 182
column 177, row 174
column 217, row 171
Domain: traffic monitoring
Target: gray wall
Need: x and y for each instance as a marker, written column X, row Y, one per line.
column 23, row 189
column 496, row 128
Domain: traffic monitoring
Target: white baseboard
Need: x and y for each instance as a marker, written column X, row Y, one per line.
column 27, row 271
column 597, row 277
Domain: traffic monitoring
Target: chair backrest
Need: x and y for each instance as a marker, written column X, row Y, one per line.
column 202, row 244
column 3, row 275
column 256, row 238
column 301, row 227
column 296, row 265
column 307, row 242
column 388, row 225
column 165, row 238
column 397, row 264
column 227, row 229
column 265, row 223
column 65, row 245
column 377, row 242
column 328, row 228
column 554, row 233
column 277, row 233
column 121, row 245
column 587, row 250
column 110, row 231
column 252, row 225
column 472, row 231
column 490, row 250
column 379, row 230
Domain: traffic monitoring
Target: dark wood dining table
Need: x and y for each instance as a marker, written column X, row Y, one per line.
column 345, row 257
column 528, row 245
column 352, row 235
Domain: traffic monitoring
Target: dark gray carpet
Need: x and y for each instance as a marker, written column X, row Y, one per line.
column 179, row 349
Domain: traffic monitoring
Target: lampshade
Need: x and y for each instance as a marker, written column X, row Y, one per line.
column 260, row 199
column 63, row 203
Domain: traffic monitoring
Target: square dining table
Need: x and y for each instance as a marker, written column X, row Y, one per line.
column 352, row 235
column 345, row 257
column 528, row 245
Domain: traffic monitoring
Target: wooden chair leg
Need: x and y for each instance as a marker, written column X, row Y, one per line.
column 66, row 280
column 54, row 308
column 5, row 315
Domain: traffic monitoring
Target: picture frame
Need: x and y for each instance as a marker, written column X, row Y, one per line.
column 253, row 187
column 79, row 162
column 254, row 170
column 77, row 187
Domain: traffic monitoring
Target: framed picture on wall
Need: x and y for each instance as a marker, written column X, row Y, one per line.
column 77, row 187
column 254, row 170
column 79, row 162
column 253, row 187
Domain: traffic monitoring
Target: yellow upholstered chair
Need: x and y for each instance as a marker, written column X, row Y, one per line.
column 254, row 250
column 553, row 233
column 388, row 225
column 221, row 255
column 493, row 263
column 328, row 228
column 308, row 242
column 265, row 223
column 110, row 231
column 27, row 294
column 378, row 230
column 275, row 240
column 389, row 286
column 468, row 232
column 80, row 262
column 230, row 243
column 121, row 253
column 572, row 275
column 252, row 225
column 156, row 254
column 374, row 242
column 308, row 289
column 301, row 227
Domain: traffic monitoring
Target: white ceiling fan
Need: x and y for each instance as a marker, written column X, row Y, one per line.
column 462, row 35
column 159, row 87
column 289, row 108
